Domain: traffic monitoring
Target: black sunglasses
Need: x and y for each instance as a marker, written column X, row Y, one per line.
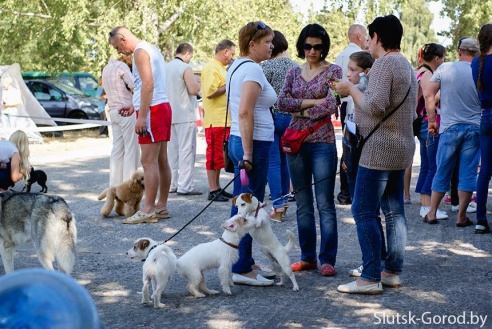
column 260, row 26
column 317, row 47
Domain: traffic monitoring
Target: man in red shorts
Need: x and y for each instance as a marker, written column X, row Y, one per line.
column 153, row 124
column 214, row 105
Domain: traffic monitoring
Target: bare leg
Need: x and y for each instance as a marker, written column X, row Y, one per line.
column 465, row 198
column 213, row 179
column 436, row 198
column 150, row 163
column 165, row 177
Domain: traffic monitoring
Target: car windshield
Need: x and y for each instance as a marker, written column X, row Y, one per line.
column 67, row 88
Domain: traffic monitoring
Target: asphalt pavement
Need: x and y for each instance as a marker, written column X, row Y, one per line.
column 446, row 281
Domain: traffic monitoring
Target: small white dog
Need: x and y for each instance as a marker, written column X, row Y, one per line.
column 250, row 208
column 158, row 268
column 221, row 253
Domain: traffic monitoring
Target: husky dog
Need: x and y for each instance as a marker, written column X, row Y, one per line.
column 158, row 268
column 43, row 219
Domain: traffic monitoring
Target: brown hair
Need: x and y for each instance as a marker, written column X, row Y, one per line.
column 224, row 44
column 485, row 41
column 252, row 32
column 184, row 48
column 362, row 59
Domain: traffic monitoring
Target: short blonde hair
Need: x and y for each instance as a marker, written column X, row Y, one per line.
column 20, row 140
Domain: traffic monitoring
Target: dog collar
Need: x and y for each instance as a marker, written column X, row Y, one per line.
column 152, row 248
column 229, row 244
column 259, row 207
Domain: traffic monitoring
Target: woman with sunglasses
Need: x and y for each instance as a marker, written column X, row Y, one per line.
column 306, row 94
column 250, row 97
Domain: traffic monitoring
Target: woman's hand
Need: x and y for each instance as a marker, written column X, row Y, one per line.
column 342, row 87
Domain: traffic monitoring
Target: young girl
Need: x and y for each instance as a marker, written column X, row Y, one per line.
column 14, row 160
column 359, row 65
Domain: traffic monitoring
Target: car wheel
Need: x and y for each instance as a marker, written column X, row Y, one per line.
column 77, row 115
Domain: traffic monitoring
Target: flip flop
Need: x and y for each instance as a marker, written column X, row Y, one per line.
column 468, row 222
column 162, row 213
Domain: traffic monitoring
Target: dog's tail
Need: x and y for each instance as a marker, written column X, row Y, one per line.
column 103, row 194
column 292, row 240
column 168, row 252
column 65, row 231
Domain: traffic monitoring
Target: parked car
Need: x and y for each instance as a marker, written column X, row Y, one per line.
column 80, row 80
column 61, row 100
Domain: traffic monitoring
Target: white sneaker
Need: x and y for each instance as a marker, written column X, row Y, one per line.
column 356, row 271
column 439, row 214
column 470, row 208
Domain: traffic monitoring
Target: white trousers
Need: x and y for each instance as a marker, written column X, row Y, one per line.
column 181, row 154
column 125, row 155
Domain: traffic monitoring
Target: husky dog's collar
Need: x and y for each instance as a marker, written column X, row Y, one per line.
column 229, row 244
column 151, row 248
column 260, row 205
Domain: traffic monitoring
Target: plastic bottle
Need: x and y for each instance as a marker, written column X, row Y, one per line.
column 363, row 81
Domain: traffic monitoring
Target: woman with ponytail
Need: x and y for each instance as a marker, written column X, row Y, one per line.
column 481, row 69
column 431, row 56
column 14, row 160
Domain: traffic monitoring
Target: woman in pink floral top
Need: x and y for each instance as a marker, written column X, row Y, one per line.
column 306, row 94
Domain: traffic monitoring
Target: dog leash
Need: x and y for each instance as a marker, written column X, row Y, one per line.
column 197, row 215
column 294, row 192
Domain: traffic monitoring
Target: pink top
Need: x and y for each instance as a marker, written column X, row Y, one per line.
column 421, row 101
column 296, row 89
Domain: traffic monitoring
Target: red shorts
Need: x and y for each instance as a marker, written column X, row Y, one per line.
column 215, row 154
column 158, row 124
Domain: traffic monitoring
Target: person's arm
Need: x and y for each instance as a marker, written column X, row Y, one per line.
column 126, row 75
column 142, row 61
column 429, row 92
column 191, row 82
column 219, row 92
column 289, row 104
column 250, row 92
column 15, row 173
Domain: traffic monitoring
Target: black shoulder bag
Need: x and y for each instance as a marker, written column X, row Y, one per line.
column 352, row 144
column 228, row 164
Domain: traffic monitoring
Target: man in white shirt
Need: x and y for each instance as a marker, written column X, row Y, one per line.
column 182, row 88
column 357, row 35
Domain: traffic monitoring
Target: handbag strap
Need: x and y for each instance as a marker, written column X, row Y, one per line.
column 386, row 117
column 228, row 93
column 319, row 124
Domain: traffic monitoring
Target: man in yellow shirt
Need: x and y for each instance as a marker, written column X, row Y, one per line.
column 214, row 106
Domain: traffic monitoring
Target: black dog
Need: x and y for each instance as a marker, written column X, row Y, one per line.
column 38, row 176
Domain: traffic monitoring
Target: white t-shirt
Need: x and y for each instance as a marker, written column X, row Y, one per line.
column 263, row 120
column 182, row 103
column 157, row 64
column 7, row 149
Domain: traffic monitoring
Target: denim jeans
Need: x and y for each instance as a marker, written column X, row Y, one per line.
column 486, row 166
column 278, row 172
column 385, row 188
column 316, row 161
column 458, row 141
column 257, row 182
column 428, row 167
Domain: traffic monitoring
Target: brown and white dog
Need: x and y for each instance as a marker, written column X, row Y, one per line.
column 221, row 254
column 124, row 198
column 250, row 208
column 158, row 268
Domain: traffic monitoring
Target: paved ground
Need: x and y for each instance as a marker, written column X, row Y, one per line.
column 447, row 277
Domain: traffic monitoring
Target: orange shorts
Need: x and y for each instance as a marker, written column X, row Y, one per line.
column 215, row 154
column 158, row 124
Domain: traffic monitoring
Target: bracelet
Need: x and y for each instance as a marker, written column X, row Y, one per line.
column 302, row 114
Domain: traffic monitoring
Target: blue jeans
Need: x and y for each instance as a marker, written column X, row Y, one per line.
column 458, row 141
column 278, row 172
column 257, row 182
column 486, row 166
column 428, row 166
column 385, row 188
column 316, row 161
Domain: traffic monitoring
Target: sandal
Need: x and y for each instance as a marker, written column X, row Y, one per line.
column 286, row 206
column 141, row 217
column 162, row 213
column 407, row 200
column 277, row 214
column 467, row 223
column 303, row 266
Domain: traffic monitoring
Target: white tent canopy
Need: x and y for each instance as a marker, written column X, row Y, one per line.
column 28, row 107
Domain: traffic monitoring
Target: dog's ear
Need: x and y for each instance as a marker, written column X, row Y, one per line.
column 255, row 202
column 142, row 244
column 246, row 197
column 234, row 201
